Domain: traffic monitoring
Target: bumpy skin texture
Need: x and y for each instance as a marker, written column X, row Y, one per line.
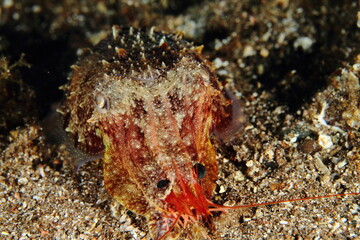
column 149, row 100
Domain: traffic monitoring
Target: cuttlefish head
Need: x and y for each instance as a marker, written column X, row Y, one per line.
column 159, row 160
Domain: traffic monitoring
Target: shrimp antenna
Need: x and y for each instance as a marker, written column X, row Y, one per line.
column 223, row 208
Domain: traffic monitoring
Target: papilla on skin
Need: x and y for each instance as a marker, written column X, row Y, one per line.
column 148, row 101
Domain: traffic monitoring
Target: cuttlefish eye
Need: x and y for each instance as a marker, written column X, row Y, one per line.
column 102, row 103
column 163, row 183
column 200, row 170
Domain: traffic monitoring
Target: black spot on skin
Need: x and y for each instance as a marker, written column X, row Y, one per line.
column 200, row 170
column 163, row 183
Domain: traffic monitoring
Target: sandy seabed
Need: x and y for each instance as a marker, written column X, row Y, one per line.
column 293, row 66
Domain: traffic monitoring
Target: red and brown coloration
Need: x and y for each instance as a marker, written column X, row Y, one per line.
column 149, row 101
